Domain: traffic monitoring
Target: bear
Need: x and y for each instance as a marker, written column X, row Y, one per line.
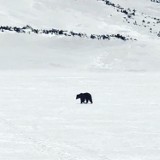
column 84, row 97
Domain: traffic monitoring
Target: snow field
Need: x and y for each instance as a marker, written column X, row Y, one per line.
column 41, row 119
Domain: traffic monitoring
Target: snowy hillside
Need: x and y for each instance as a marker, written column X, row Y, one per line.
column 86, row 16
column 52, row 50
column 76, row 25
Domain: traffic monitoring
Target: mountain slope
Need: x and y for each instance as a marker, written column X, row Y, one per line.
column 89, row 16
column 81, row 16
column 41, row 72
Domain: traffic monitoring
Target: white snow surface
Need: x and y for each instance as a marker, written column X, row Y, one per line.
column 40, row 75
column 41, row 119
column 86, row 16
column 89, row 16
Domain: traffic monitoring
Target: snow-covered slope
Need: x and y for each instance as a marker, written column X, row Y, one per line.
column 41, row 73
column 20, row 51
column 84, row 16
column 90, row 16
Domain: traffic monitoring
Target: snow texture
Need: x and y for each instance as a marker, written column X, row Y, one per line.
column 40, row 76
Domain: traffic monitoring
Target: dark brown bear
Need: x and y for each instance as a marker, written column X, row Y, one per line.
column 84, row 97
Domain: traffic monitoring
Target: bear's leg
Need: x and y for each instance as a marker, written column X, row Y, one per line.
column 91, row 100
column 82, row 100
column 86, row 100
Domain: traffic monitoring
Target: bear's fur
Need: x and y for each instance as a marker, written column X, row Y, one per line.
column 84, row 97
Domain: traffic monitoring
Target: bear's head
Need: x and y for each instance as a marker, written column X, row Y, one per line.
column 78, row 96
